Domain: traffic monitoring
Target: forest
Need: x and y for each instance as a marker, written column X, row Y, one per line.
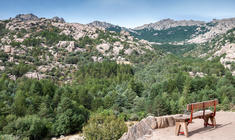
column 35, row 109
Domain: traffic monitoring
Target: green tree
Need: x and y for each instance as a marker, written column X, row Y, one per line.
column 19, row 106
column 70, row 117
column 160, row 106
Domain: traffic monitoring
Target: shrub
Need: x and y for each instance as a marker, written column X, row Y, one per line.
column 8, row 137
column 104, row 126
column 29, row 127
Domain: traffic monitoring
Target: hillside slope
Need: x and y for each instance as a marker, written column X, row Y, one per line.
column 49, row 46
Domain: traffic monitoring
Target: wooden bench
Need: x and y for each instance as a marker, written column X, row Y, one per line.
column 184, row 120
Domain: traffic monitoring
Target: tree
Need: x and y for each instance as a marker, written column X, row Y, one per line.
column 20, row 69
column 160, row 106
column 19, row 106
column 70, row 117
column 225, row 103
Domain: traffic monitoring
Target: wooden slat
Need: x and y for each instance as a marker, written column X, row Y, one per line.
column 199, row 105
column 197, row 114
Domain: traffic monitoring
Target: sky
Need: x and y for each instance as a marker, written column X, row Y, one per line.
column 127, row 13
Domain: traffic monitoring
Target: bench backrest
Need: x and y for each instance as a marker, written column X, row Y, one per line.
column 202, row 105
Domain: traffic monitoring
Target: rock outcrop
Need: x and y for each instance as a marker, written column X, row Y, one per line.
column 35, row 75
column 228, row 50
column 7, row 49
column 147, row 125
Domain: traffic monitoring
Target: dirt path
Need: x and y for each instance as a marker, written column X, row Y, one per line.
column 225, row 130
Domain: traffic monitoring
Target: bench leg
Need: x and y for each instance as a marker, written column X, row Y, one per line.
column 206, row 121
column 213, row 121
column 177, row 128
column 185, row 126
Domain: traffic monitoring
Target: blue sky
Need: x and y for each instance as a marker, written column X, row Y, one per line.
column 128, row 13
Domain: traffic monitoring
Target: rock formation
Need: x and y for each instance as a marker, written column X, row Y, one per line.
column 147, row 125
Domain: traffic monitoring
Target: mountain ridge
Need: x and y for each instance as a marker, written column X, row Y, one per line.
column 191, row 31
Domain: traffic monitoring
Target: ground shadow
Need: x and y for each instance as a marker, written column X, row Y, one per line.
column 207, row 129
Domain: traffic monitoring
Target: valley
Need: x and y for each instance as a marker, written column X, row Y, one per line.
column 59, row 78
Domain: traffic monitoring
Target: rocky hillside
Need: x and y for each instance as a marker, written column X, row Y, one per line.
column 188, row 31
column 39, row 47
column 222, row 46
column 215, row 27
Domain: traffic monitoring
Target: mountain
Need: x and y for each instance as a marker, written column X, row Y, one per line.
column 187, row 31
column 43, row 46
column 25, row 17
column 105, row 25
column 172, row 31
column 169, row 23
column 214, row 28
column 110, row 27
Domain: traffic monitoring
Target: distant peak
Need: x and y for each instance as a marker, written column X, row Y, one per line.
column 168, row 23
column 25, row 17
column 101, row 24
column 167, row 19
column 57, row 19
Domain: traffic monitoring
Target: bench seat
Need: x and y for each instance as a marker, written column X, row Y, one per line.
column 198, row 114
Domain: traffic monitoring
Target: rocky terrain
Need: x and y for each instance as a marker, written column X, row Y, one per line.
column 216, row 27
column 52, row 46
column 222, row 46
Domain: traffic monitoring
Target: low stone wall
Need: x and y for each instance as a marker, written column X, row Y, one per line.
column 147, row 125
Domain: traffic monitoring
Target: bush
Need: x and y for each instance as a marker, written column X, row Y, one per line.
column 20, row 69
column 104, row 126
column 29, row 127
column 8, row 137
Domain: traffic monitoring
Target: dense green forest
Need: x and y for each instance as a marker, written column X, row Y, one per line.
column 176, row 49
column 35, row 109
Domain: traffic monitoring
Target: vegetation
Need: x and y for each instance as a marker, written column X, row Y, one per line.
column 3, row 30
column 104, row 126
column 164, row 86
column 174, row 34
column 175, row 49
